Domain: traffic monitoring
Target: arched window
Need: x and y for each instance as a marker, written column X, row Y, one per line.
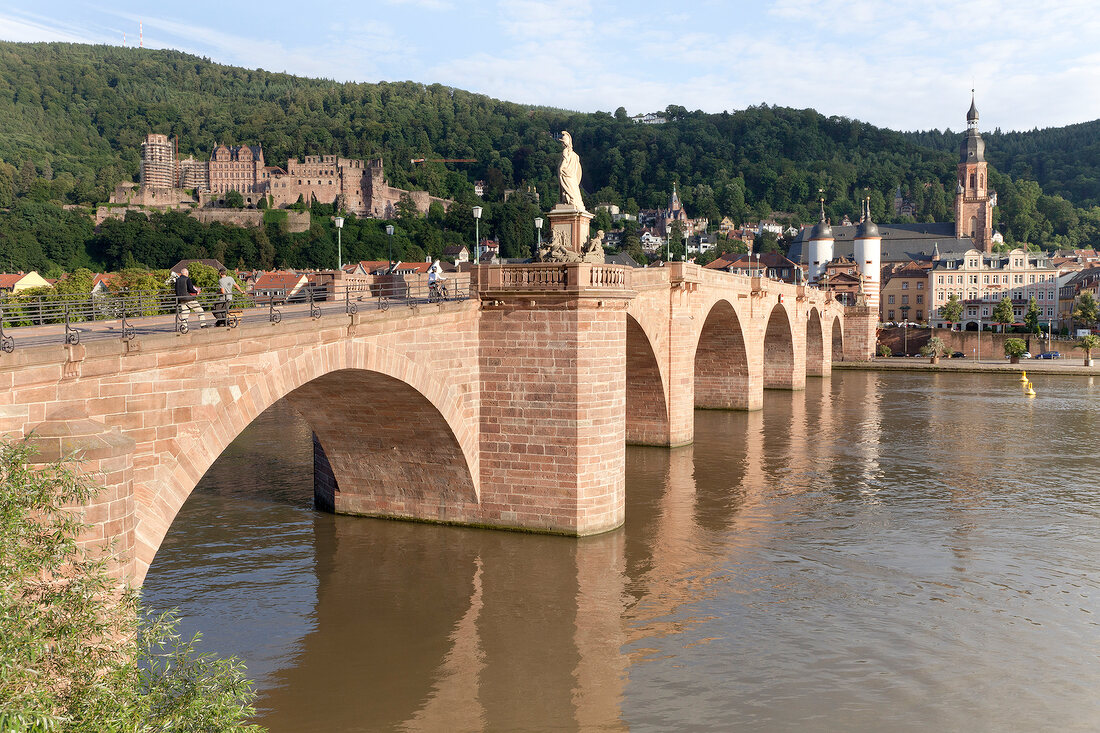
column 981, row 181
column 973, row 226
column 973, row 180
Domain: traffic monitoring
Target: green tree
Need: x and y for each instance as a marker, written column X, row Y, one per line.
column 1087, row 343
column 77, row 655
column 234, row 200
column 1031, row 318
column 952, row 310
column 1085, row 311
column 1015, row 347
column 1003, row 314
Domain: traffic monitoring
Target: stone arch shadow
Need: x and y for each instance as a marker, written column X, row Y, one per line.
column 722, row 371
column 781, row 368
column 837, row 339
column 817, row 365
column 647, row 415
column 332, row 382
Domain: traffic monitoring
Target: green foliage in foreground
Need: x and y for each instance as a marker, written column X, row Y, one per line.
column 76, row 652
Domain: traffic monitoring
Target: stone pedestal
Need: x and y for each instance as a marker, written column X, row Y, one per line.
column 569, row 227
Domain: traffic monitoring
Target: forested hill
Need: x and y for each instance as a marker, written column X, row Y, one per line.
column 1063, row 160
column 74, row 117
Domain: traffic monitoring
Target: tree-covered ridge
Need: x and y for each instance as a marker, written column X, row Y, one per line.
column 74, row 117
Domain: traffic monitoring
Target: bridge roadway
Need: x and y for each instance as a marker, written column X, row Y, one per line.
column 510, row 409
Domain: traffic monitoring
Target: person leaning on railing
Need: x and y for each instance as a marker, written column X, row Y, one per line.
column 187, row 298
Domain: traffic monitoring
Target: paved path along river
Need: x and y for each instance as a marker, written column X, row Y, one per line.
column 883, row 552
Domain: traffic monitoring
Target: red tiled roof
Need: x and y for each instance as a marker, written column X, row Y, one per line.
column 8, row 280
column 278, row 280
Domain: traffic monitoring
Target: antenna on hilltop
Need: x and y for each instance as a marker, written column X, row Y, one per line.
column 141, row 36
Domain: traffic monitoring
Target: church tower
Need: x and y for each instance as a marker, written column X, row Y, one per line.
column 973, row 207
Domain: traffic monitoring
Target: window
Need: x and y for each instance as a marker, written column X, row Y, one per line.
column 904, row 299
column 1032, row 278
column 1040, row 295
column 904, row 284
column 890, row 316
column 920, row 285
column 973, row 279
column 985, row 311
column 939, row 295
column 920, row 315
column 940, row 279
column 920, row 299
column 890, row 300
column 985, row 279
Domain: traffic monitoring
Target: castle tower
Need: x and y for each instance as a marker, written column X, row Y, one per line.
column 158, row 162
column 973, row 207
column 820, row 251
column 867, row 252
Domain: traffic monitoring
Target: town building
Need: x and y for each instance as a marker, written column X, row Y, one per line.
column 774, row 266
column 19, row 281
column 981, row 280
column 904, row 295
column 1070, row 286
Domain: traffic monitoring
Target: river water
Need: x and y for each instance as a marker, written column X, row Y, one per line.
column 882, row 552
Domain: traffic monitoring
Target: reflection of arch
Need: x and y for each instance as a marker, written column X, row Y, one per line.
column 721, row 361
column 815, row 345
column 779, row 351
column 838, row 340
column 337, row 386
column 646, row 407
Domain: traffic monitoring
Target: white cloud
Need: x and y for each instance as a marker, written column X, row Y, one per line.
column 28, row 27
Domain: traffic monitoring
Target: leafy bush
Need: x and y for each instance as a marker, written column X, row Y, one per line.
column 77, row 653
column 1015, row 347
column 884, row 350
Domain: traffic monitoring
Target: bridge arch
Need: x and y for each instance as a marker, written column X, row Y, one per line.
column 780, row 369
column 816, row 363
column 837, row 339
column 341, row 389
column 722, row 374
column 647, row 417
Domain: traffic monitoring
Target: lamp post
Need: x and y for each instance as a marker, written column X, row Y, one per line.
column 538, row 231
column 389, row 238
column 979, row 357
column 477, row 235
column 339, row 222
column 668, row 242
column 905, row 327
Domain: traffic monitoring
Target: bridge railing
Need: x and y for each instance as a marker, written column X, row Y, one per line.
column 553, row 276
column 73, row 319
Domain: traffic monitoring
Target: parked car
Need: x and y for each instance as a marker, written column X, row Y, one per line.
column 1050, row 355
column 1025, row 355
column 958, row 355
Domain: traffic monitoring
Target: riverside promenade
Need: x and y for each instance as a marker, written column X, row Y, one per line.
column 1067, row 366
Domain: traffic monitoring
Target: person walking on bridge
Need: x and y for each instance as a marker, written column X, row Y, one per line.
column 226, row 283
column 187, row 298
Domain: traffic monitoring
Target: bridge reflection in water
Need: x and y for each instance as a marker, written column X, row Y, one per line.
column 418, row 627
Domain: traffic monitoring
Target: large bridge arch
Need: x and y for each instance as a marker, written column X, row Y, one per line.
column 837, row 339
column 339, row 388
column 647, row 417
column 723, row 377
column 782, row 367
column 817, row 361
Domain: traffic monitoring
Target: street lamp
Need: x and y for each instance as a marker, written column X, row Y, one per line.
column 538, row 230
column 477, row 235
column 339, row 222
column 979, row 339
column 668, row 242
column 389, row 237
column 905, row 327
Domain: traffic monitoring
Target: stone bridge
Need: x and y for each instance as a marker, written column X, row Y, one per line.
column 508, row 410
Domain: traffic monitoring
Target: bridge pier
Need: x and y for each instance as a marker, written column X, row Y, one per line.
column 553, row 397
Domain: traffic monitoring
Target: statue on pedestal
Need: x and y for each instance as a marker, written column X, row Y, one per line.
column 569, row 174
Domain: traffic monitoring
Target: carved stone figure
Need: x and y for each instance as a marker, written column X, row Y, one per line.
column 569, row 174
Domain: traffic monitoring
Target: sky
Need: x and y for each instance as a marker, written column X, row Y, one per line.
column 898, row 64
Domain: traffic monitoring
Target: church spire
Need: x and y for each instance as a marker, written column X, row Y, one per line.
column 972, row 113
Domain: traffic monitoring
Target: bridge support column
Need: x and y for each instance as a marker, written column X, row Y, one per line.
column 553, row 402
column 860, row 333
column 106, row 455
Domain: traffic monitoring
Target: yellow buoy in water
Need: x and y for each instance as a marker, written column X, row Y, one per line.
column 1023, row 376
column 1030, row 390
